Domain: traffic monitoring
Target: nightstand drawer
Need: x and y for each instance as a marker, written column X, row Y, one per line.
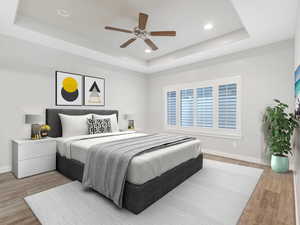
column 36, row 149
column 35, row 166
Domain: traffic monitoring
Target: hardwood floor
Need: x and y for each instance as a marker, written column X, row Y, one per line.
column 272, row 202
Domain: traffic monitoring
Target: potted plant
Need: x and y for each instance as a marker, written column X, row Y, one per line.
column 280, row 126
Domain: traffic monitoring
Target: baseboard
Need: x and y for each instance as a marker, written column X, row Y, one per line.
column 296, row 198
column 243, row 158
column 235, row 156
column 5, row 169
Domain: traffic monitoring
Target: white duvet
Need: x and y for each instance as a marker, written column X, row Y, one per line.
column 142, row 167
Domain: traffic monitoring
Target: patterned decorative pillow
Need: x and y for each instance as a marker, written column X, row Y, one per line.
column 90, row 123
column 102, row 126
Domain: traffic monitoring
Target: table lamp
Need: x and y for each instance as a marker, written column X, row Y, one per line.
column 34, row 120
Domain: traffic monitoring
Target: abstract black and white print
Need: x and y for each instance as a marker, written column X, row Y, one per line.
column 90, row 123
column 94, row 91
column 102, row 126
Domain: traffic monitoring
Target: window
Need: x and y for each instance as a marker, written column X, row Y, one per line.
column 187, row 108
column 227, row 106
column 171, row 104
column 209, row 107
column 204, row 107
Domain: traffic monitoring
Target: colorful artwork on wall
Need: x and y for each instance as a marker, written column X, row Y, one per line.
column 297, row 91
column 69, row 89
column 94, row 91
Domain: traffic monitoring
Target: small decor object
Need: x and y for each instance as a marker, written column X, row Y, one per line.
column 280, row 127
column 297, row 92
column 94, row 91
column 44, row 130
column 130, row 119
column 34, row 120
column 69, row 89
column 130, row 124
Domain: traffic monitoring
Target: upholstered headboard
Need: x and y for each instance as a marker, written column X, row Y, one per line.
column 52, row 117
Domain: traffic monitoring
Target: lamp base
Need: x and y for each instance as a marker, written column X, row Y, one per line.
column 35, row 131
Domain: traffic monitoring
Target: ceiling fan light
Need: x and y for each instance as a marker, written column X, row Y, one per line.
column 208, row 26
column 140, row 33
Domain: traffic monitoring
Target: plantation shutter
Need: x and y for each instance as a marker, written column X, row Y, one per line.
column 187, row 108
column 171, row 108
column 204, row 107
column 227, row 106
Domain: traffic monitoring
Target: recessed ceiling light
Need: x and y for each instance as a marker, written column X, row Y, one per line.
column 208, row 26
column 63, row 12
column 148, row 50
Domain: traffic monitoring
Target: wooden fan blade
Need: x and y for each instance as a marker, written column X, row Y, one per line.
column 142, row 21
column 163, row 33
column 118, row 29
column 127, row 43
column 151, row 44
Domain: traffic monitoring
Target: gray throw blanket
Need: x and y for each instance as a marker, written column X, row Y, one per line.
column 106, row 165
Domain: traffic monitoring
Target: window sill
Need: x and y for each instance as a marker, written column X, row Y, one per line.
column 205, row 134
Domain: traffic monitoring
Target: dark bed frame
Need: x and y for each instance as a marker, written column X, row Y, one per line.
column 136, row 198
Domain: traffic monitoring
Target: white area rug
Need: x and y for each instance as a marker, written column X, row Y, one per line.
column 216, row 195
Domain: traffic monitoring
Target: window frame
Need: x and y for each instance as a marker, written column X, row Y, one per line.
column 215, row 131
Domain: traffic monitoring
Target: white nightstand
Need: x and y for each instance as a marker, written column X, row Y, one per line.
column 32, row 157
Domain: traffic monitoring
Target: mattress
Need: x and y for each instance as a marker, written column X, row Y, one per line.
column 143, row 167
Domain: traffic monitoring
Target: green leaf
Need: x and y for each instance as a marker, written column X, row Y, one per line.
column 279, row 127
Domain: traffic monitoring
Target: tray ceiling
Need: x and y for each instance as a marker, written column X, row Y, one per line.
column 79, row 30
column 83, row 22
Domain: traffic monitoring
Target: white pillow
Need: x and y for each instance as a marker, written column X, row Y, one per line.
column 113, row 120
column 74, row 125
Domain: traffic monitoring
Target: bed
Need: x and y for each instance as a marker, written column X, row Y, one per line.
column 149, row 177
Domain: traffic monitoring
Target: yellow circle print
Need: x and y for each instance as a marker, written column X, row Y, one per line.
column 70, row 84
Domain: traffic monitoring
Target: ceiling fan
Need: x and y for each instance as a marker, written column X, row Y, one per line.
column 141, row 33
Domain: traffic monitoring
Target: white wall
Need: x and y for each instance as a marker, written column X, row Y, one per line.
column 266, row 72
column 27, row 85
column 297, row 155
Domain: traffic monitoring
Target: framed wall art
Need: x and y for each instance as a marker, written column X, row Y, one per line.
column 69, row 89
column 94, row 91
